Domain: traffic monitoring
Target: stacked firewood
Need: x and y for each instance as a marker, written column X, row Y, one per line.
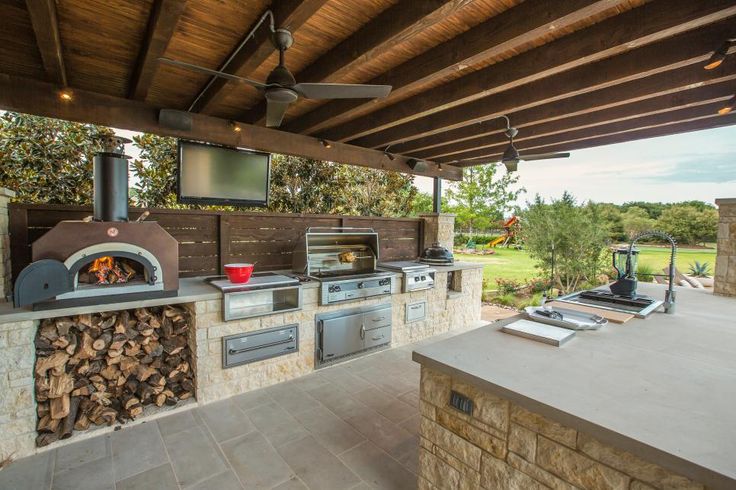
column 105, row 367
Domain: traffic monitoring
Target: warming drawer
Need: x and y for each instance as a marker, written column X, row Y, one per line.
column 256, row 346
column 377, row 336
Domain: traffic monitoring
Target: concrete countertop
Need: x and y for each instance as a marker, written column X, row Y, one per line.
column 663, row 388
column 191, row 289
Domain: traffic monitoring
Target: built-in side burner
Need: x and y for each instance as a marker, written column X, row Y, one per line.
column 416, row 276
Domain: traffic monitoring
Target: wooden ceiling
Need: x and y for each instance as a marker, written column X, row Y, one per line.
column 569, row 74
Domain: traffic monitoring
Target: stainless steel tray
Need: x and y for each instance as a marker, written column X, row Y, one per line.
column 571, row 319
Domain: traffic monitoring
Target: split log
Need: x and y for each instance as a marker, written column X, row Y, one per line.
column 67, row 426
column 59, row 406
column 56, row 359
column 102, row 341
column 60, row 385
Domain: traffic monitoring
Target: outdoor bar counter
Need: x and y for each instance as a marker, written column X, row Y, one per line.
column 646, row 404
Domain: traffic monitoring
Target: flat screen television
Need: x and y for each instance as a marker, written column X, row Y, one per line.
column 212, row 174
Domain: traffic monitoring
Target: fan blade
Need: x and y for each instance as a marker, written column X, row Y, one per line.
column 341, row 90
column 275, row 111
column 544, row 156
column 213, row 73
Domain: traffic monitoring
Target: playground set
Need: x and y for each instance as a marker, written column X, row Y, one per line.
column 510, row 228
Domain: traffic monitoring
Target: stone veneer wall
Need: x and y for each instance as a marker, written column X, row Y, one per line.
column 5, row 286
column 725, row 277
column 504, row 446
column 444, row 312
column 439, row 228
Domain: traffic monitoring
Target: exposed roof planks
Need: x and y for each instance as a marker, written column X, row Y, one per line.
column 46, row 27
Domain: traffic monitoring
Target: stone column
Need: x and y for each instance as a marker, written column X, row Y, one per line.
column 439, row 228
column 5, row 286
column 725, row 278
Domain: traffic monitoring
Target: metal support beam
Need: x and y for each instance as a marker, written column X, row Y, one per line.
column 437, row 195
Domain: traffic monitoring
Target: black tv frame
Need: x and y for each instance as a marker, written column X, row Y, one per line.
column 213, row 200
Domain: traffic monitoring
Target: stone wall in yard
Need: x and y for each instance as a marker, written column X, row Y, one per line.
column 504, row 446
column 725, row 277
column 5, row 285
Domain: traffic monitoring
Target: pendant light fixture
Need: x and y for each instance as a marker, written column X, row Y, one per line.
column 719, row 55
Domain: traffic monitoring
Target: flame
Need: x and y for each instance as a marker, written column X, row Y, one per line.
column 101, row 264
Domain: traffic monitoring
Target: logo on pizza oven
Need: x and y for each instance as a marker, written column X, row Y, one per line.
column 112, row 232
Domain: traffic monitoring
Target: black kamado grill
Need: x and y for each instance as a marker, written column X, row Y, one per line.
column 437, row 255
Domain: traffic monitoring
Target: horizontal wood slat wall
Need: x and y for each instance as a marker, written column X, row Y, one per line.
column 208, row 240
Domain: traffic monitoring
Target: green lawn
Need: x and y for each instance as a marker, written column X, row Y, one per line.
column 508, row 263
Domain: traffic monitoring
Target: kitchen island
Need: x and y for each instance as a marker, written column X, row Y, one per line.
column 646, row 404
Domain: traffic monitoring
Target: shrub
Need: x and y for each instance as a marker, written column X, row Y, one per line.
column 507, row 286
column 645, row 273
column 699, row 269
column 537, row 285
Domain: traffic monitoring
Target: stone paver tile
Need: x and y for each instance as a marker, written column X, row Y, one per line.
column 293, row 484
column 79, row 453
column 193, row 456
column 406, row 452
column 29, row 473
column 393, row 385
column 412, row 398
column 316, row 466
column 411, row 425
column 310, row 381
column 171, row 424
column 252, row 399
column 225, row 420
column 137, row 449
column 221, row 481
column 95, row 475
column 343, row 378
column 291, row 397
column 255, row 462
column 390, row 407
column 377, row 468
column 335, row 434
column 377, row 428
column 158, row 478
column 265, row 417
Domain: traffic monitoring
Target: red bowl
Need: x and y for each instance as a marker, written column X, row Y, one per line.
column 238, row 273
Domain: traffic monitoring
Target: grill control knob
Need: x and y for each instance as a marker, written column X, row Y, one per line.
column 360, row 285
column 384, row 282
column 334, row 288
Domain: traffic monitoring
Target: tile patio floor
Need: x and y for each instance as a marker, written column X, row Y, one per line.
column 352, row 426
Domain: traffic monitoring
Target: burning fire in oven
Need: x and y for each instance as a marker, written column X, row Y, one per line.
column 108, row 270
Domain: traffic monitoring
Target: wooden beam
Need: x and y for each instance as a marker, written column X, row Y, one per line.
column 46, row 27
column 670, row 54
column 651, row 22
column 632, row 110
column 659, row 84
column 506, row 31
column 165, row 15
column 39, row 98
column 291, row 14
column 532, row 144
column 709, row 122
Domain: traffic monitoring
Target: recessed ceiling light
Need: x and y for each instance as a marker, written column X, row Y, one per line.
column 326, row 143
column 66, row 94
column 235, row 126
column 719, row 55
column 728, row 107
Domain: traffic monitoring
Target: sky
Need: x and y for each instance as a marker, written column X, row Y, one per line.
column 698, row 165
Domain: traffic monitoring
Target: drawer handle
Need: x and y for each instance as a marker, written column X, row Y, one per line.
column 416, row 307
column 378, row 338
column 233, row 352
column 362, row 331
column 379, row 319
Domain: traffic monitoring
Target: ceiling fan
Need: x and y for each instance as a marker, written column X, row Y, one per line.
column 511, row 156
column 281, row 89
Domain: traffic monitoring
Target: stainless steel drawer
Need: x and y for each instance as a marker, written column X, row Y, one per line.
column 377, row 336
column 377, row 318
column 264, row 344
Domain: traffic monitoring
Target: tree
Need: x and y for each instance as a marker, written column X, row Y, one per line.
column 155, row 171
column 47, row 160
column 574, row 234
column 689, row 225
column 481, row 199
column 612, row 219
column 636, row 220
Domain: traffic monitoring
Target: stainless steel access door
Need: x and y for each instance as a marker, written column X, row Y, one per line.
column 341, row 336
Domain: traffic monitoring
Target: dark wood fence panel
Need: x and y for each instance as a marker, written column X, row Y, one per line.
column 208, row 240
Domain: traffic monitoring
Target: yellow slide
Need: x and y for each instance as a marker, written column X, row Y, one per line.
column 497, row 241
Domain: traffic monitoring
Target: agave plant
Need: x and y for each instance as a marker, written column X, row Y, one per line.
column 699, row 269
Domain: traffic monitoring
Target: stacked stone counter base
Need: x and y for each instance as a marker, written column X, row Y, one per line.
column 725, row 277
column 504, row 446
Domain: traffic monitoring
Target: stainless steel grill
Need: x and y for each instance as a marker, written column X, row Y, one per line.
column 344, row 261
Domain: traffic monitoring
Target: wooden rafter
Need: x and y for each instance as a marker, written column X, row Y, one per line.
column 688, row 97
column 659, row 84
column 291, row 14
column 46, row 28
column 670, row 54
column 675, row 127
column 33, row 97
column 699, row 109
column 165, row 15
column 401, row 21
column 605, row 39
column 506, row 31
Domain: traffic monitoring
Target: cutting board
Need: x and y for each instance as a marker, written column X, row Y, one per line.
column 611, row 316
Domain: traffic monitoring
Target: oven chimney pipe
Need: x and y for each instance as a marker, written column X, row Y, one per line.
column 111, row 181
